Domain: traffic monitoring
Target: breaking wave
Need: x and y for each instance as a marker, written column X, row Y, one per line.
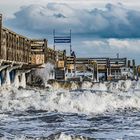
column 48, row 71
column 60, row 136
column 98, row 99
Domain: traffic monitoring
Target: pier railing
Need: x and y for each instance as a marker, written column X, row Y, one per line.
column 14, row 47
column 104, row 62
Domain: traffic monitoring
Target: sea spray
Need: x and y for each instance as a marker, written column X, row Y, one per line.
column 88, row 113
column 86, row 85
column 69, row 137
column 46, row 73
column 99, row 86
column 85, row 102
column 121, row 85
column 73, row 86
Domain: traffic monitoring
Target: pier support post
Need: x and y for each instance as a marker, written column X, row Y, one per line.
column 9, row 69
column 97, row 74
column 23, row 80
column 7, row 80
column 93, row 74
column 115, row 75
column 107, row 74
column 16, row 80
column 20, row 80
column 3, row 74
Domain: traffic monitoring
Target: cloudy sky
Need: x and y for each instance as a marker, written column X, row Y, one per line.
column 99, row 27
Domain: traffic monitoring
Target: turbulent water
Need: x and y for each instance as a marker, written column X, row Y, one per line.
column 105, row 111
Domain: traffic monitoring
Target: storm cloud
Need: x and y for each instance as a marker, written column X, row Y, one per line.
column 114, row 21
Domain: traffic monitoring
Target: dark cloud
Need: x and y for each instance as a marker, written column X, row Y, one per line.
column 59, row 15
column 114, row 21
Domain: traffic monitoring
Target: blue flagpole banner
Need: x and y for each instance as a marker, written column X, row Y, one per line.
column 62, row 39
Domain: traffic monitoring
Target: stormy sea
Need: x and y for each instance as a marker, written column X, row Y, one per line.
column 101, row 111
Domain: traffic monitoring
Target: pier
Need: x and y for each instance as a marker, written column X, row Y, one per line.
column 19, row 56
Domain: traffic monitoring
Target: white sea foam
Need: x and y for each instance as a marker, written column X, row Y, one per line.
column 69, row 137
column 99, row 86
column 86, row 102
column 86, row 85
column 57, row 137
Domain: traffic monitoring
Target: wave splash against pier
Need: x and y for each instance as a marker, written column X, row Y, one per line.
column 77, row 114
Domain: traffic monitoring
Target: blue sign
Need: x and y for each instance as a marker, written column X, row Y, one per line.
column 62, row 40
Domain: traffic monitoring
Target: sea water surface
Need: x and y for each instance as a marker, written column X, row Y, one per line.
column 108, row 111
